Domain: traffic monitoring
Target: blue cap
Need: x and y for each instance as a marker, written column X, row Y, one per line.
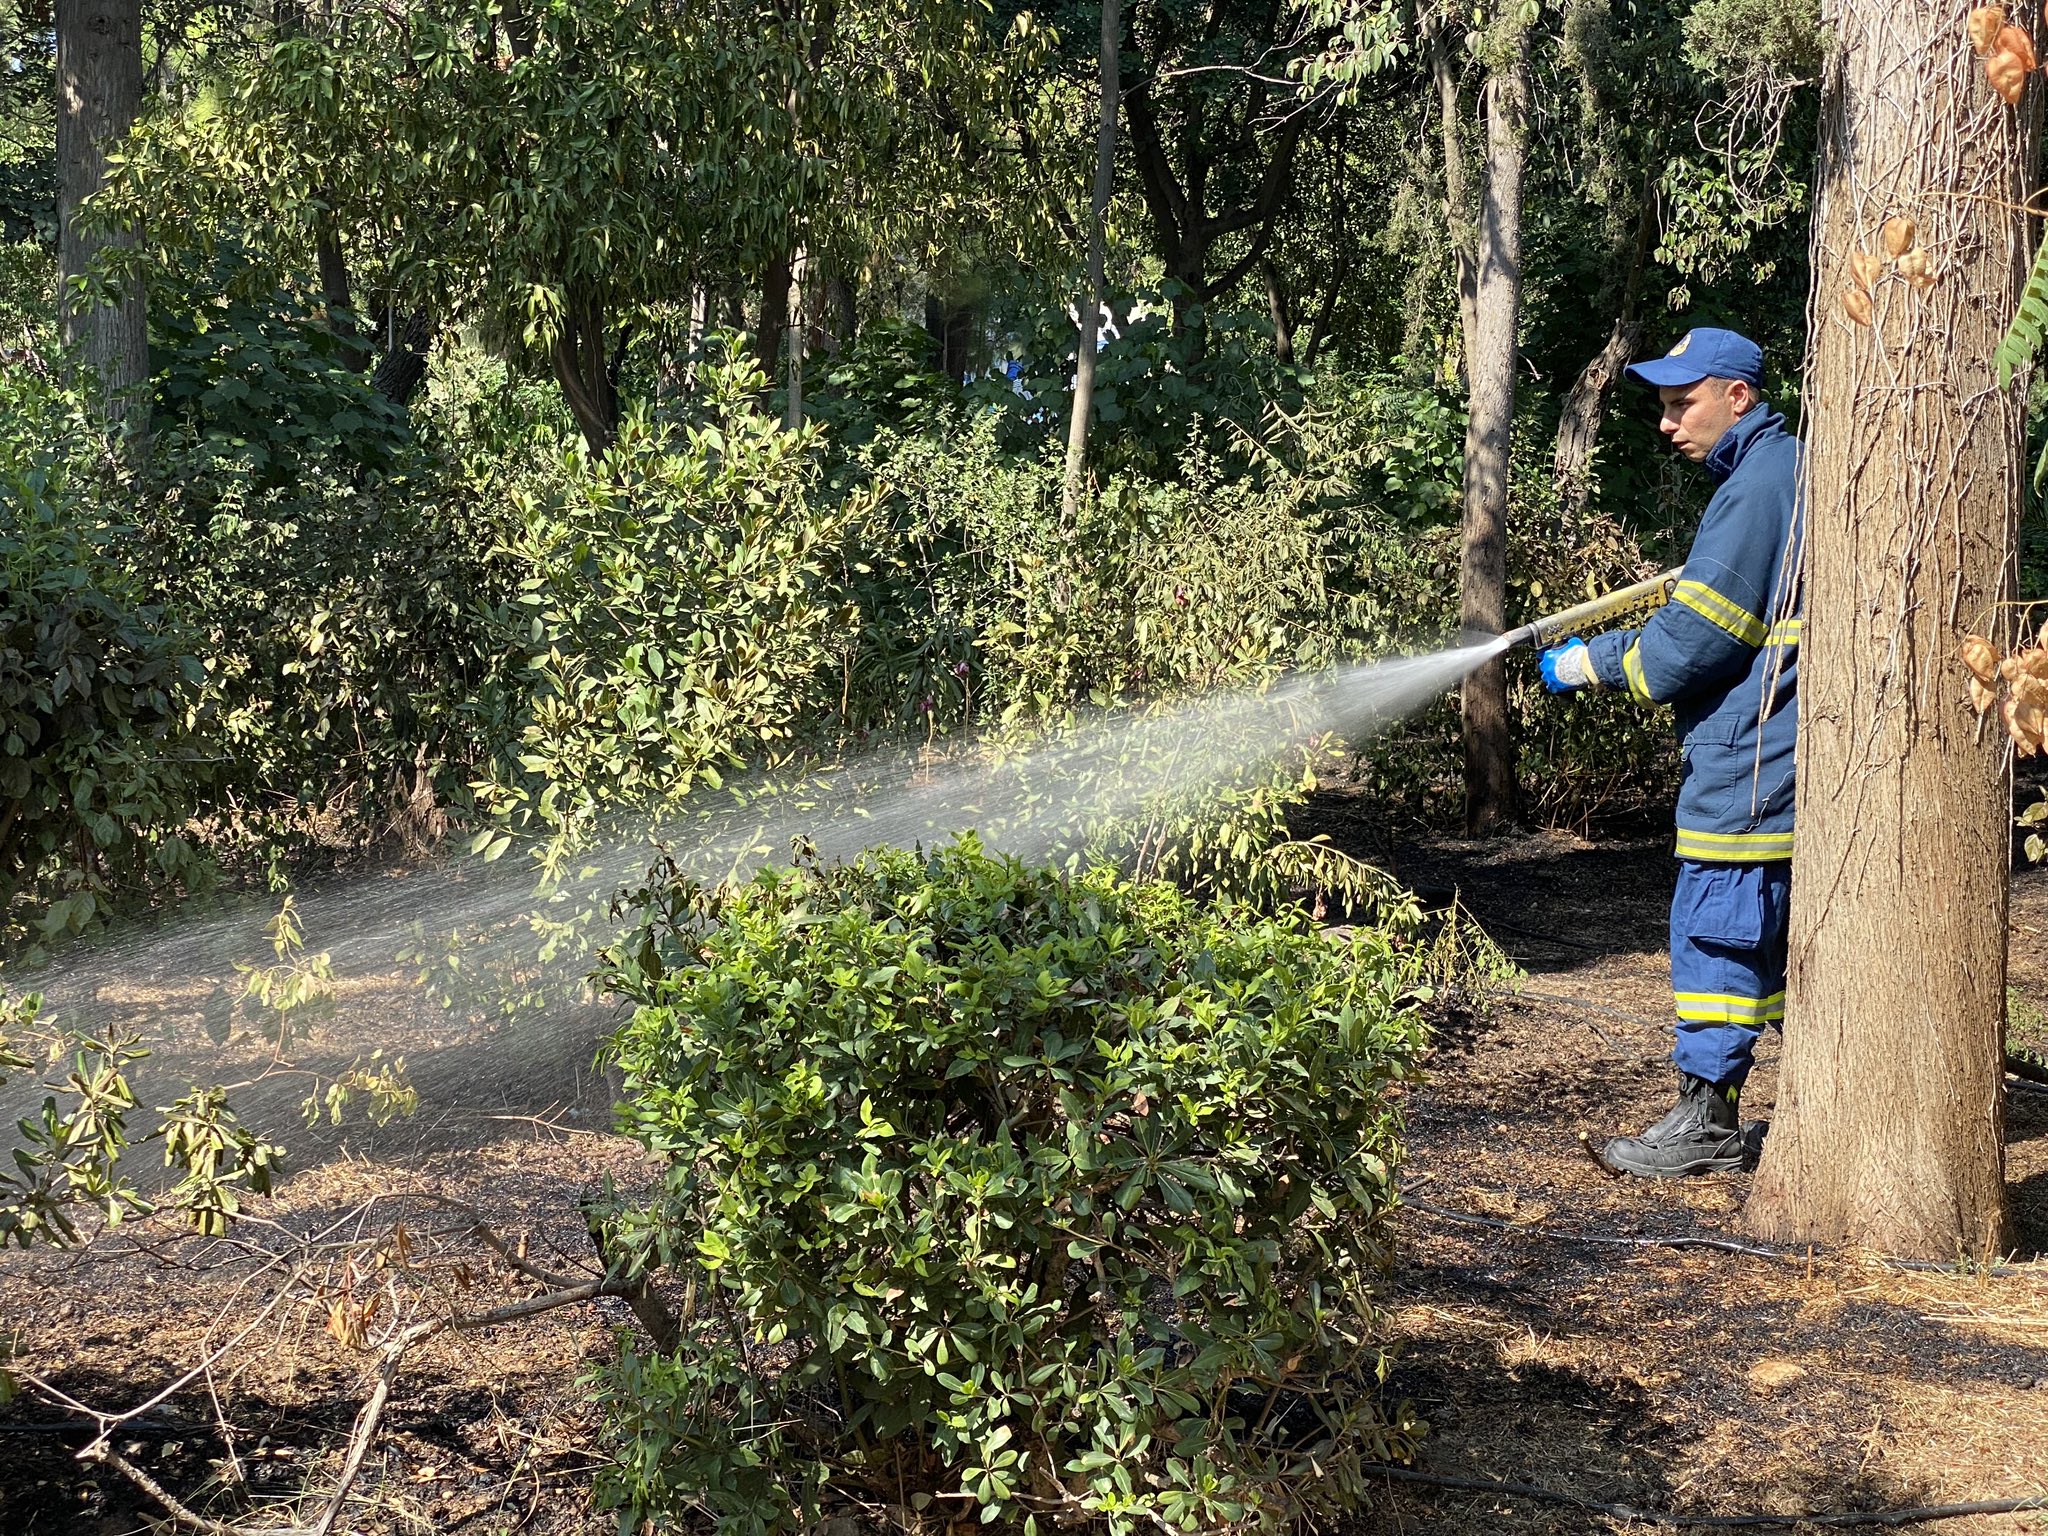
column 1704, row 353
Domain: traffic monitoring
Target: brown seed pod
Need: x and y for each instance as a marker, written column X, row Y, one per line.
column 2026, row 720
column 2015, row 42
column 1981, row 697
column 1981, row 657
column 1865, row 269
column 1984, row 26
column 1917, row 268
column 2008, row 76
column 2033, row 662
column 1856, row 305
column 1899, row 235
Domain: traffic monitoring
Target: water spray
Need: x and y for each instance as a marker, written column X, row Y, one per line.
column 1653, row 593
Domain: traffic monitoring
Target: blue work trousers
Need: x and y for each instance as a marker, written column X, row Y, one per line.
column 1727, row 963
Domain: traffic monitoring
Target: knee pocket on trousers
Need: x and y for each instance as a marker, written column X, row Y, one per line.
column 1723, row 907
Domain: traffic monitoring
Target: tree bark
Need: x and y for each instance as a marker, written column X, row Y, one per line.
column 1585, row 411
column 334, row 288
column 774, row 325
column 1460, row 217
column 588, row 377
column 1280, row 306
column 1109, row 87
column 1585, row 406
column 99, row 91
column 1492, row 355
column 1889, row 1125
column 404, row 366
column 845, row 307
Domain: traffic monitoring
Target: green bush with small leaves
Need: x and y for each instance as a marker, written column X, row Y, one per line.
column 98, row 768
column 1005, row 1195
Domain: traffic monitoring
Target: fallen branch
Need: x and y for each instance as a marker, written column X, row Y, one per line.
column 1836, row 1519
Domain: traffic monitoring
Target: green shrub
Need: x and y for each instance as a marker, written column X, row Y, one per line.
column 355, row 630
column 1009, row 1195
column 97, row 686
column 260, row 379
column 677, row 610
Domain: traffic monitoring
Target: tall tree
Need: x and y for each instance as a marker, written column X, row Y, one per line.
column 1888, row 1128
column 99, row 90
column 1109, row 91
column 1486, row 219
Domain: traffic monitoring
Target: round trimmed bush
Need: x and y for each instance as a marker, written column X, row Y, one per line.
column 1005, row 1195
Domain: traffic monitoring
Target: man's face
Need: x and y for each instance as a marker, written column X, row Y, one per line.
column 1695, row 415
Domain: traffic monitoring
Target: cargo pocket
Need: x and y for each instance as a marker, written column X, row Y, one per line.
column 1724, row 905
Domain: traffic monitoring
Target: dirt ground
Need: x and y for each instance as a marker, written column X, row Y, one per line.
column 1693, row 1381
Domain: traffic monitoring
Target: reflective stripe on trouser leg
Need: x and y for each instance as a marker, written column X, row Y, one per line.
column 1727, row 963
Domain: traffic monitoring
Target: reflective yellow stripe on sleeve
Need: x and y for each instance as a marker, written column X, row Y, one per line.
column 1784, row 632
column 1734, row 847
column 1726, row 1008
column 1632, row 669
column 1720, row 611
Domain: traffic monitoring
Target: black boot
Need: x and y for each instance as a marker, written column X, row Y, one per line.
column 1702, row 1134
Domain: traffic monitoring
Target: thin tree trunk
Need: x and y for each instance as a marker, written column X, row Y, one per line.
column 99, row 91
column 1108, row 93
column 693, row 338
column 1281, row 308
column 587, row 376
column 1889, row 1120
column 1490, row 373
column 1459, row 213
column 845, row 307
column 1585, row 406
column 334, row 288
column 1585, row 411
column 774, row 326
column 793, row 397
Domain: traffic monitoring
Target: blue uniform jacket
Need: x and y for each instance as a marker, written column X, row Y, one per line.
column 1724, row 652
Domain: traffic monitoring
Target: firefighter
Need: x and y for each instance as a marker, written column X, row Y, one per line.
column 1723, row 652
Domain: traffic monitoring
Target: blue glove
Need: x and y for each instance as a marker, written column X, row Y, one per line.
column 1568, row 666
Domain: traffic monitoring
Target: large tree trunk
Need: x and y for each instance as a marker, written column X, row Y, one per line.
column 1889, row 1121
column 99, row 90
column 1490, row 374
column 1108, row 91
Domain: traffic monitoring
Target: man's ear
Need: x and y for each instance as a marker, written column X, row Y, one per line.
column 1740, row 397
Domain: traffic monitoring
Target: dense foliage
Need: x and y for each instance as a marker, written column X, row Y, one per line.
column 554, row 413
column 1051, row 1198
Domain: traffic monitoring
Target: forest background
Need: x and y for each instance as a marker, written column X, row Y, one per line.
column 510, row 426
column 548, row 410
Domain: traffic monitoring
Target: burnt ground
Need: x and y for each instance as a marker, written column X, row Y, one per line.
column 1682, row 1380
